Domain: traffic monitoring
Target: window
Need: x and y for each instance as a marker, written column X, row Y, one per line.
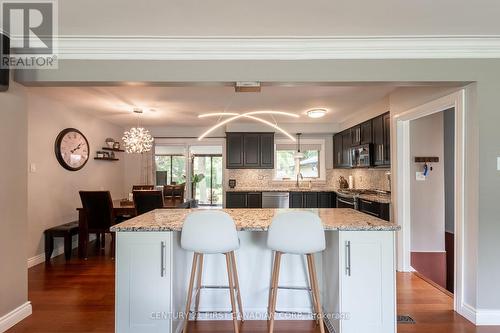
column 288, row 167
column 170, row 169
column 311, row 166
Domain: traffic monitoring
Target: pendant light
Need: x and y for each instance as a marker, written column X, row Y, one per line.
column 137, row 140
column 298, row 154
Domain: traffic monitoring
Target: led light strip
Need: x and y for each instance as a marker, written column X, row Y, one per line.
column 248, row 115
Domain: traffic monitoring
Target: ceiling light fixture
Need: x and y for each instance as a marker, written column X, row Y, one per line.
column 249, row 115
column 316, row 113
column 137, row 140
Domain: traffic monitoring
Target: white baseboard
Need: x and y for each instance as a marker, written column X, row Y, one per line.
column 15, row 316
column 40, row 258
column 480, row 317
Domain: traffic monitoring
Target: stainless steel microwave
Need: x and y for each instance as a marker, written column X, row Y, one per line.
column 361, row 156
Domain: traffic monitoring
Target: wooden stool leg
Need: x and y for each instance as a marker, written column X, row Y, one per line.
column 271, row 290
column 198, row 283
column 275, row 293
column 237, row 285
column 231, row 291
column 316, row 293
column 311, row 284
column 190, row 292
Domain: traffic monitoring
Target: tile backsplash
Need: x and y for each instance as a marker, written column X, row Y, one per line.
column 258, row 179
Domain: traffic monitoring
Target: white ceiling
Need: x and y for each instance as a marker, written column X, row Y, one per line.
column 180, row 106
column 278, row 18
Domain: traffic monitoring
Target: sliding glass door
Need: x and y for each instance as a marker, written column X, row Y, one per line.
column 207, row 179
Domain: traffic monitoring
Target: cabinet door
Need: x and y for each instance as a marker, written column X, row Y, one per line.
column 251, row 150
column 366, row 132
column 387, row 139
column 325, row 200
column 267, row 151
column 378, row 140
column 346, row 149
column 356, row 135
column 254, row 200
column 296, row 200
column 143, row 276
column 310, row 200
column 367, row 279
column 234, row 150
column 236, row 199
column 337, row 151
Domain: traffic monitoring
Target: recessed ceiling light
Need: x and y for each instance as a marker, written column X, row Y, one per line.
column 316, row 113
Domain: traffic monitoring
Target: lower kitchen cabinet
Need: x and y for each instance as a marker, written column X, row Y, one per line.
column 312, row 200
column 378, row 209
column 243, row 199
column 143, row 283
column 362, row 281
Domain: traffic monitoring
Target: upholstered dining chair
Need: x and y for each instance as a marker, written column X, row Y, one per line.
column 99, row 216
column 145, row 201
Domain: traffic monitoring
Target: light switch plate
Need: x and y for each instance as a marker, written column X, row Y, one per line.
column 498, row 163
column 32, row 167
column 419, row 176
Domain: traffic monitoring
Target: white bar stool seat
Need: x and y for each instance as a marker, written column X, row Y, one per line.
column 302, row 233
column 211, row 232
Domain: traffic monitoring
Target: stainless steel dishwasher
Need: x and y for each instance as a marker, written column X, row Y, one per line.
column 275, row 199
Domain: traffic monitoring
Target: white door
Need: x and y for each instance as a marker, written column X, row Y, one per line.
column 367, row 280
column 143, row 282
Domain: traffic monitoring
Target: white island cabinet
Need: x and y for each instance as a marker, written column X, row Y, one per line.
column 356, row 272
column 143, row 282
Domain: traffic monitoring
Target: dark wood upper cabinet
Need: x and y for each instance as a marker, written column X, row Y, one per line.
column 365, row 132
column 249, row 150
column 356, row 135
column 234, row 150
column 337, row 151
column 346, row 148
column 381, row 127
column 267, row 151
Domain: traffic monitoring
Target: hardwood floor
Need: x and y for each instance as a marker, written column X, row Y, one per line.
column 79, row 297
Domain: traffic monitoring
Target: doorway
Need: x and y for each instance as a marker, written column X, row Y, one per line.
column 207, row 179
column 410, row 170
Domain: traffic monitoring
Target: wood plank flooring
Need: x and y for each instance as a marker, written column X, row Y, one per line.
column 79, row 297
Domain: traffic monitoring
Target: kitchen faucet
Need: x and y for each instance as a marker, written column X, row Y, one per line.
column 301, row 177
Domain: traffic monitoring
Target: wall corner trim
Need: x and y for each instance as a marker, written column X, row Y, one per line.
column 15, row 316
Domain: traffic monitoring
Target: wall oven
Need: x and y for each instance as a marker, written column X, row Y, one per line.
column 361, row 156
column 346, row 202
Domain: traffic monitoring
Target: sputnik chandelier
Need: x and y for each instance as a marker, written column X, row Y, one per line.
column 137, row 140
column 248, row 115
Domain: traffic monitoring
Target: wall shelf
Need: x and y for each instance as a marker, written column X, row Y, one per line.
column 106, row 159
column 426, row 159
column 113, row 149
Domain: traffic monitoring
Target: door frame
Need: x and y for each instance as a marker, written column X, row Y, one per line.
column 401, row 123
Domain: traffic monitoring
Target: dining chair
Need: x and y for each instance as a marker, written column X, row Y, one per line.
column 146, row 201
column 142, row 188
column 99, row 215
column 178, row 192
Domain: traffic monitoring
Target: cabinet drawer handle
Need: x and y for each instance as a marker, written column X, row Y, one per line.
column 163, row 265
column 371, row 213
column 366, row 202
column 348, row 258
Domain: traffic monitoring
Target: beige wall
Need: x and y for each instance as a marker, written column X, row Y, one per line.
column 13, row 199
column 52, row 190
column 427, row 197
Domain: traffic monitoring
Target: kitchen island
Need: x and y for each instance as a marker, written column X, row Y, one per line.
column 356, row 272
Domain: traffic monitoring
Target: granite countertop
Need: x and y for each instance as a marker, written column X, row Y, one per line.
column 345, row 219
column 381, row 198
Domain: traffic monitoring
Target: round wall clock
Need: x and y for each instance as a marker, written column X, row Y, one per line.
column 72, row 149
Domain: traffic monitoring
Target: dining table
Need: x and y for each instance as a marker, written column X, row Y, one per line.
column 123, row 209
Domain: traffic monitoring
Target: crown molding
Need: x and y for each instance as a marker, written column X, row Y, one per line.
column 276, row 48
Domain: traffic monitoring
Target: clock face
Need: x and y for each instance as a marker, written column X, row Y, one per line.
column 72, row 149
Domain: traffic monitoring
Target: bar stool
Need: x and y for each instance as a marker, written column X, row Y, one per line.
column 211, row 232
column 302, row 233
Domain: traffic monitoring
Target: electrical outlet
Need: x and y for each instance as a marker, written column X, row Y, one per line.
column 498, row 163
column 420, row 176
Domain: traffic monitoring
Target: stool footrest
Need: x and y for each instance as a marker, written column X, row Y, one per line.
column 293, row 288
